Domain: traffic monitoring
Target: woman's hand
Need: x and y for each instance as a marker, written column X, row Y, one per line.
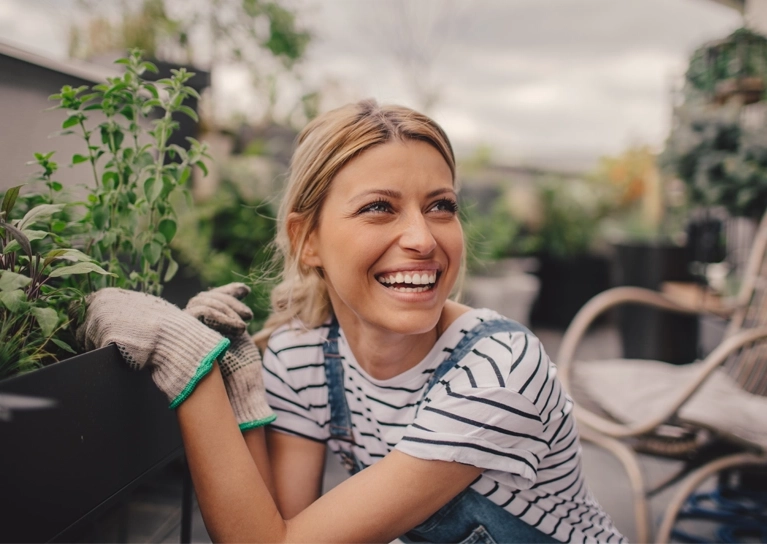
column 149, row 331
column 221, row 309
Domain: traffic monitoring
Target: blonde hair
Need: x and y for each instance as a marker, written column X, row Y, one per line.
column 325, row 145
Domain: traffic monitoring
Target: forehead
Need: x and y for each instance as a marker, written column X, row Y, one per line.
column 409, row 164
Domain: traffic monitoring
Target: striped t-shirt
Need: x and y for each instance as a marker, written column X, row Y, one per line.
column 502, row 409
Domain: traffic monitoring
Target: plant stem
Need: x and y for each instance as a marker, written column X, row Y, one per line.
column 87, row 138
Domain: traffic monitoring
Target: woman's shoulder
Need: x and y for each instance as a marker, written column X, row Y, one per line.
column 493, row 349
column 296, row 335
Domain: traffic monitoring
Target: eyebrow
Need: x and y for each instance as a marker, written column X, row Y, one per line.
column 396, row 194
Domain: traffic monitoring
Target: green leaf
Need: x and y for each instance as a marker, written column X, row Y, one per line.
column 43, row 212
column 152, row 252
column 31, row 235
column 20, row 238
column 10, row 281
column 63, row 345
column 71, row 121
column 189, row 111
column 171, row 270
column 56, row 186
column 99, row 215
column 47, row 318
column 202, row 167
column 152, row 89
column 77, row 158
column 149, row 67
column 74, row 255
column 167, row 228
column 110, row 180
column 13, row 300
column 79, row 268
column 9, row 200
column 184, row 176
column 58, row 226
column 152, row 189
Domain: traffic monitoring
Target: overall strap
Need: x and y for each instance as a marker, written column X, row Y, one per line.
column 340, row 424
column 483, row 330
column 340, row 418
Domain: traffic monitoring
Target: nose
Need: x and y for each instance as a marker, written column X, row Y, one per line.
column 417, row 235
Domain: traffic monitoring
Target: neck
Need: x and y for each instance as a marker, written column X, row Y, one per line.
column 384, row 354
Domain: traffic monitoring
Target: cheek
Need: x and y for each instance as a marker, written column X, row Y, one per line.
column 452, row 241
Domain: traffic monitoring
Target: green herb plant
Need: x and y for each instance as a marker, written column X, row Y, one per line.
column 135, row 170
column 33, row 311
column 53, row 252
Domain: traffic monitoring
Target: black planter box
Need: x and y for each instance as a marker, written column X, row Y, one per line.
column 74, row 437
column 566, row 285
column 650, row 333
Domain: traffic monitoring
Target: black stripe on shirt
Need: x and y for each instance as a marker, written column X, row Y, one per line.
column 492, row 364
column 507, row 346
column 535, row 372
column 310, row 407
column 482, row 425
column 469, row 375
column 302, row 367
column 495, row 488
column 387, row 387
column 521, row 355
column 296, row 346
column 471, row 446
column 310, row 386
column 489, row 402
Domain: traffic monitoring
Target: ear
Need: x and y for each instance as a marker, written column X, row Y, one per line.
column 310, row 255
column 309, row 250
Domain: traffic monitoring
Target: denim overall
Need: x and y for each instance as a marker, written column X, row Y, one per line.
column 468, row 518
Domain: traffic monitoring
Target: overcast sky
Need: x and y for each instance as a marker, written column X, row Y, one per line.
column 551, row 82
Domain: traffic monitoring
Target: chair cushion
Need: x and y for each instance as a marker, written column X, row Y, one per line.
column 633, row 391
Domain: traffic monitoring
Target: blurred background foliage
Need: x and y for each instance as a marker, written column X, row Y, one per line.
column 227, row 239
column 714, row 156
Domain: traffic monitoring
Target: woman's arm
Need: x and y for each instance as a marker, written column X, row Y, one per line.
column 376, row 505
column 297, row 467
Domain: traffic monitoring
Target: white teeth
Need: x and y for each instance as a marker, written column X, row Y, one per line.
column 410, row 289
column 412, row 278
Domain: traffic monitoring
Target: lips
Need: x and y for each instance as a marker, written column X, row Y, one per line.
column 409, row 281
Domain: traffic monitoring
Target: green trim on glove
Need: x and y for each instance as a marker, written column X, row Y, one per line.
column 257, row 423
column 205, row 366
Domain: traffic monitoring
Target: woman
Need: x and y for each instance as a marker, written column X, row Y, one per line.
column 455, row 414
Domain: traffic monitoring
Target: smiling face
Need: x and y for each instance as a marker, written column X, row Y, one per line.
column 389, row 240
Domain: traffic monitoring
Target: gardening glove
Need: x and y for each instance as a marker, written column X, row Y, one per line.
column 221, row 309
column 151, row 332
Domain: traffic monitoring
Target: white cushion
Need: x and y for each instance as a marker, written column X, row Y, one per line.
column 632, row 391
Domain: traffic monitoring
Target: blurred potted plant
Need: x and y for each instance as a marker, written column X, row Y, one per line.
column 734, row 68
column 646, row 228
column 721, row 161
column 79, row 431
column 558, row 223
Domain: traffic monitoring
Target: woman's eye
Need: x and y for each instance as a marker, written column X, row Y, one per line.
column 445, row 205
column 379, row 206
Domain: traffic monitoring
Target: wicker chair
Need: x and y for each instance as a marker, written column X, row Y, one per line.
column 711, row 413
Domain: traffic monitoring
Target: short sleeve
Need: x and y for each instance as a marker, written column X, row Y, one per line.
column 296, row 388
column 487, row 410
